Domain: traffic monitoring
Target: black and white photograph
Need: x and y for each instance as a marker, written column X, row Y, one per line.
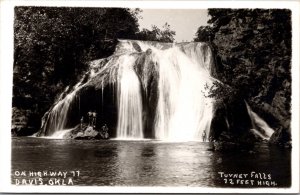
column 165, row 98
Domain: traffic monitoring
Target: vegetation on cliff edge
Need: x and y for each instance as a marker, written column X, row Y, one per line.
column 253, row 57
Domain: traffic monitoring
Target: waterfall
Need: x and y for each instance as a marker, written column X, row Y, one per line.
column 184, row 112
column 58, row 116
column 161, row 86
column 259, row 126
column 130, row 124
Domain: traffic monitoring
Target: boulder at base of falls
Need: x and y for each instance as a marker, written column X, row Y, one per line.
column 83, row 133
column 90, row 133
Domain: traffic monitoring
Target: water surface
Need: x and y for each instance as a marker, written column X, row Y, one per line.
column 146, row 163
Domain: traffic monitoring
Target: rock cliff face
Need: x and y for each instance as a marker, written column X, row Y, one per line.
column 21, row 123
column 253, row 55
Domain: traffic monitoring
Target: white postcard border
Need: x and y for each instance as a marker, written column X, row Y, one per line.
column 6, row 69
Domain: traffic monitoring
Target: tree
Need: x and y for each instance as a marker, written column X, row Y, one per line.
column 203, row 34
column 156, row 34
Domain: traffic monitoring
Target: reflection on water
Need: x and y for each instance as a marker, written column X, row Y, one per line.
column 146, row 163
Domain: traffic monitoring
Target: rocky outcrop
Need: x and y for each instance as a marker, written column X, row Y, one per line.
column 231, row 121
column 275, row 113
column 21, row 122
column 282, row 138
column 85, row 133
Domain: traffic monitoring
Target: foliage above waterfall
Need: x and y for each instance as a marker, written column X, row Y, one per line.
column 165, row 35
column 253, row 55
column 53, row 45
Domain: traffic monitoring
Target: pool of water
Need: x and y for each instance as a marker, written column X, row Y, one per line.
column 146, row 163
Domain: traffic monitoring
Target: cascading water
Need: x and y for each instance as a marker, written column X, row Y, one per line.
column 184, row 111
column 161, row 84
column 259, row 126
column 57, row 118
column 59, row 134
column 130, row 125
